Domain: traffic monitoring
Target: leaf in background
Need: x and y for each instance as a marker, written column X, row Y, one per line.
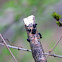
column 58, row 23
column 56, row 16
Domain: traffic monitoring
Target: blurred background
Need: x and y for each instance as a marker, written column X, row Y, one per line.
column 12, row 27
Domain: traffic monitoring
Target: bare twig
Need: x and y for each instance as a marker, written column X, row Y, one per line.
column 54, row 55
column 14, row 47
column 8, row 47
column 53, row 47
column 18, row 48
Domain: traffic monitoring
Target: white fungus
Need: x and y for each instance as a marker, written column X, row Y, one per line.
column 29, row 20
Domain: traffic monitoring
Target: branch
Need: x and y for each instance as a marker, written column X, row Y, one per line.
column 34, row 39
column 54, row 55
column 8, row 48
column 14, row 47
column 53, row 47
column 18, row 48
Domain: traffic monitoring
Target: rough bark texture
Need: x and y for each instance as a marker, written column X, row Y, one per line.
column 35, row 44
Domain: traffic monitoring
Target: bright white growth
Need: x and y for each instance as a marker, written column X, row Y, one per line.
column 29, row 20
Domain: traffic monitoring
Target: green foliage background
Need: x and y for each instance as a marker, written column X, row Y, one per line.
column 42, row 9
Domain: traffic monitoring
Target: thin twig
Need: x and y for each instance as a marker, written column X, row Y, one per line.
column 14, row 47
column 53, row 47
column 18, row 48
column 54, row 55
column 8, row 48
column 55, row 44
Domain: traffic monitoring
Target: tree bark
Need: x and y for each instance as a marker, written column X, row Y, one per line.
column 35, row 44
